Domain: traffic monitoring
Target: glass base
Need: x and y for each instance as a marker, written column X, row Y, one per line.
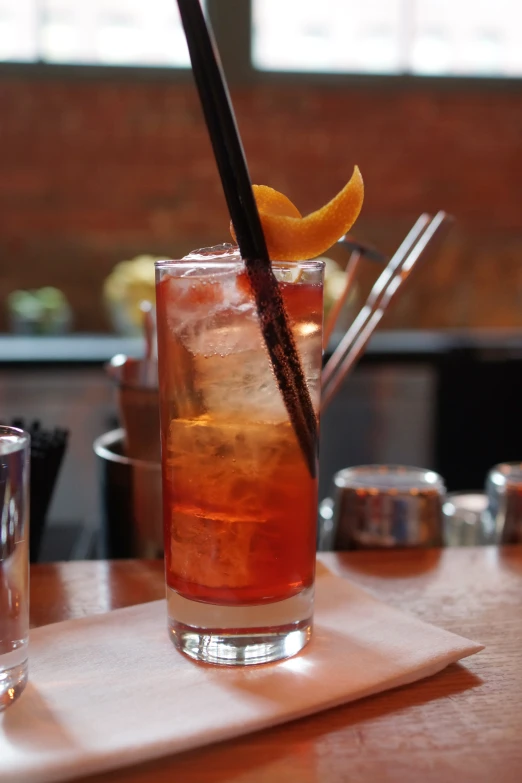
column 240, row 635
column 12, row 683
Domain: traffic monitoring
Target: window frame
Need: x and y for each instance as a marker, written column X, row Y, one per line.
column 231, row 21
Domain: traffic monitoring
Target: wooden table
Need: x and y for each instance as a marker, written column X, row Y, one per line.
column 464, row 724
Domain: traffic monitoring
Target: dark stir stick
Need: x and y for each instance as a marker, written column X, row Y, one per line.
column 235, row 179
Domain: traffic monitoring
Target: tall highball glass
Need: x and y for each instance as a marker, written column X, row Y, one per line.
column 239, row 502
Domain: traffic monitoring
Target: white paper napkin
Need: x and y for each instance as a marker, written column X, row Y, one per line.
column 110, row 690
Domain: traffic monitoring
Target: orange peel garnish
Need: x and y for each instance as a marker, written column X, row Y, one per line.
column 290, row 237
column 272, row 202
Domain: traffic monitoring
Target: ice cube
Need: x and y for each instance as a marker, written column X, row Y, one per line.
column 202, row 299
column 241, row 384
column 224, row 253
column 211, row 310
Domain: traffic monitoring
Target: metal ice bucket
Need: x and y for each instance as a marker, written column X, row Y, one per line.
column 132, row 524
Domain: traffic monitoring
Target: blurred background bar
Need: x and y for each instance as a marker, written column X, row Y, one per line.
column 106, row 166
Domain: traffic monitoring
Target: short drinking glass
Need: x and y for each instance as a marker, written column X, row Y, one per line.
column 239, row 503
column 14, row 563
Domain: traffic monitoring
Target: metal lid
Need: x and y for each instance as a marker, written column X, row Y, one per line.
column 389, row 478
column 504, row 491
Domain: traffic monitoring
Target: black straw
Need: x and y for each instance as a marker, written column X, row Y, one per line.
column 48, row 448
column 231, row 163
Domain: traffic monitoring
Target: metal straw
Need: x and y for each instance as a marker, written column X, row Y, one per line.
column 358, row 251
column 373, row 299
column 230, row 159
column 383, row 292
column 149, row 330
column 366, row 250
column 351, row 271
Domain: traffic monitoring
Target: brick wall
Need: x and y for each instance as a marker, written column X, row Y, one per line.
column 92, row 172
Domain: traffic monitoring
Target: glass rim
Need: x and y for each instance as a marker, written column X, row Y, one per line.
column 315, row 264
column 103, row 447
column 23, row 437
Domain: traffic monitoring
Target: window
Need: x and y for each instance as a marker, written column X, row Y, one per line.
column 18, row 30
column 420, row 37
column 93, row 32
column 435, row 37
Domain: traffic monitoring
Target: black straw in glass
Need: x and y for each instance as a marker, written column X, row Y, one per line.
column 231, row 163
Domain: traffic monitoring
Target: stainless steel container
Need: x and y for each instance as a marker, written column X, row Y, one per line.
column 132, row 524
column 385, row 506
column 504, row 510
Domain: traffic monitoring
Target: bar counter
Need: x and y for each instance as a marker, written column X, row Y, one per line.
column 464, row 724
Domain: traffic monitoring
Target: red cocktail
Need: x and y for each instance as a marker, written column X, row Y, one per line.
column 240, row 505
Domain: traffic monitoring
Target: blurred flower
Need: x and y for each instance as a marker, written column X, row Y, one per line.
column 129, row 284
